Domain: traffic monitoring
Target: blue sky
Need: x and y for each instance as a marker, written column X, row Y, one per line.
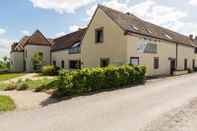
column 58, row 17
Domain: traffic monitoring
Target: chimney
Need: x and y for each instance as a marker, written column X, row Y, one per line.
column 191, row 37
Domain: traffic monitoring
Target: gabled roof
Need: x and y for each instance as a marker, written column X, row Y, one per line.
column 132, row 24
column 37, row 38
column 67, row 41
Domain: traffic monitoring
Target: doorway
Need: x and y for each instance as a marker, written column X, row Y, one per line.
column 172, row 66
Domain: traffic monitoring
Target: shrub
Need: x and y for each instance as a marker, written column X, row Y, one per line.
column 10, row 86
column 89, row 80
column 48, row 70
column 22, row 86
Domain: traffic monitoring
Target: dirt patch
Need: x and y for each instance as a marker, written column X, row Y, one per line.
column 180, row 119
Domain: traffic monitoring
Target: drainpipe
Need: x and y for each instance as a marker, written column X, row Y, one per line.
column 176, row 56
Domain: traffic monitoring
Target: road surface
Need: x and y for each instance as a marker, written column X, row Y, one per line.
column 128, row 109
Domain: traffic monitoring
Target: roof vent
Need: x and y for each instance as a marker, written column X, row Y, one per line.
column 191, row 37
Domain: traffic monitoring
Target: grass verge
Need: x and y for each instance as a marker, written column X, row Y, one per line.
column 6, row 104
column 8, row 76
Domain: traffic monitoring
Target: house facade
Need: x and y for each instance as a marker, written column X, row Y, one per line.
column 112, row 38
column 116, row 38
column 23, row 51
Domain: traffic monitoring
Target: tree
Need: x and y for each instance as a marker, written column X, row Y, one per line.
column 37, row 60
column 5, row 63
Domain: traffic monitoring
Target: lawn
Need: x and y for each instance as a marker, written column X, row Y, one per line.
column 7, row 76
column 31, row 84
column 6, row 104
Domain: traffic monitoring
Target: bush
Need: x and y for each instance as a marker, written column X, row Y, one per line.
column 48, row 70
column 41, row 88
column 22, row 86
column 10, row 86
column 89, row 80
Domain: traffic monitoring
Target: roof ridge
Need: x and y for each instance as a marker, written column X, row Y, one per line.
column 70, row 33
column 124, row 21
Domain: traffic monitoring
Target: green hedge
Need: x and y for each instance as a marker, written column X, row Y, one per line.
column 48, row 70
column 95, row 79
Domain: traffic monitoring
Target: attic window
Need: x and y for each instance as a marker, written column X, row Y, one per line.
column 131, row 27
column 76, row 45
column 169, row 37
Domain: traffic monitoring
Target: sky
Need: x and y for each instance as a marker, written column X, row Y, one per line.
column 58, row 17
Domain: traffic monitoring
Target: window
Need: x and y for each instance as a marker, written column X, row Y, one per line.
column 62, row 63
column 104, row 62
column 195, row 50
column 156, row 63
column 75, row 49
column 193, row 63
column 150, row 48
column 185, row 64
column 54, row 63
column 134, row 61
column 74, row 64
column 99, row 35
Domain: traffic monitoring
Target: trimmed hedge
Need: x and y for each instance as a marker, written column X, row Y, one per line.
column 89, row 80
column 50, row 70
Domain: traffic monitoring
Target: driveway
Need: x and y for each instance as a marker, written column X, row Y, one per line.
column 130, row 109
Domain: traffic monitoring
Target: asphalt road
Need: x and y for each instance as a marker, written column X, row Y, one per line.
column 128, row 109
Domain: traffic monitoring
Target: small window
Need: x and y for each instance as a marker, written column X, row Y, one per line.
column 195, row 50
column 134, row 61
column 62, row 64
column 74, row 64
column 185, row 64
column 99, row 35
column 54, row 63
column 104, row 62
column 193, row 63
column 151, row 48
column 156, row 63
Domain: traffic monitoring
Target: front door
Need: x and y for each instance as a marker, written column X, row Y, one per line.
column 172, row 66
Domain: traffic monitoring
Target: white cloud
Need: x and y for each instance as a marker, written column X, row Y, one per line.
column 73, row 28
column 59, row 34
column 2, row 31
column 154, row 12
column 5, row 45
column 25, row 32
column 61, row 6
column 193, row 2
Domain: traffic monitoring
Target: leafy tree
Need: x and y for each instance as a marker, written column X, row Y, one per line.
column 5, row 63
column 37, row 60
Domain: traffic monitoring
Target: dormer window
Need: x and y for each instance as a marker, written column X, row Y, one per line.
column 99, row 35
